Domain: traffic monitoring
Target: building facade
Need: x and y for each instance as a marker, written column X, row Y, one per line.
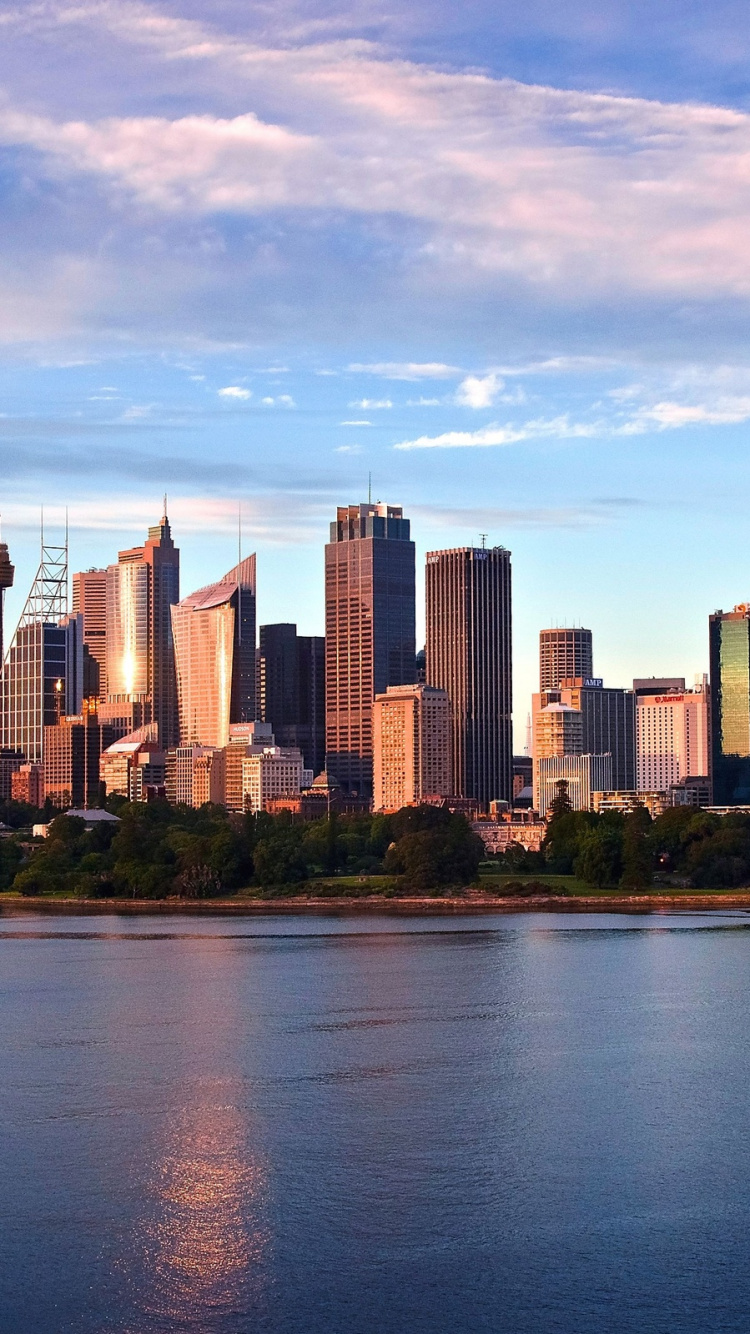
column 270, row 772
column 370, row 630
column 656, row 803
column 214, row 646
column 563, row 654
column 27, row 784
column 196, row 775
column 672, row 738
column 412, row 734
column 90, row 602
column 607, row 722
column 72, row 749
column 469, row 656
column 291, row 690
column 142, row 588
column 729, row 653
column 584, row 775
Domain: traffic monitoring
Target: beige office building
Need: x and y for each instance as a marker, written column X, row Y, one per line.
column 557, row 731
column 269, row 772
column 671, row 738
column 196, row 775
column 412, row 755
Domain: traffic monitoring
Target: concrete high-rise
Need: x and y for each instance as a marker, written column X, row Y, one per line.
column 412, row 746
column 370, row 630
column 564, row 654
column 729, row 647
column 90, row 602
column 214, row 646
column 607, row 722
column 291, row 690
column 469, row 656
column 141, row 590
column 672, row 738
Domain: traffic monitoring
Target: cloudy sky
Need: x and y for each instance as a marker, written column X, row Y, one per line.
column 495, row 254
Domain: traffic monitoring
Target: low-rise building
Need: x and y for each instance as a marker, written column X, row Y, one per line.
column 27, row 784
column 269, row 772
column 583, row 775
column 196, row 775
column 525, row 829
column 656, row 803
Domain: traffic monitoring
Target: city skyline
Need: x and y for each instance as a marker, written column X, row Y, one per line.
column 562, row 364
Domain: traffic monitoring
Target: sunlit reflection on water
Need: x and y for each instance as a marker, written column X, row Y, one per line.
column 205, row 1243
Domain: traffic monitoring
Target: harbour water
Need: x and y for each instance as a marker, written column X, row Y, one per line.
column 526, row 1124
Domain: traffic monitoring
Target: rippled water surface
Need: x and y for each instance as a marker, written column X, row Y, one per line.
column 526, row 1124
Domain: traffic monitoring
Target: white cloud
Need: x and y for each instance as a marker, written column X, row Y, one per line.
column 281, row 401
column 560, row 428
column 355, row 423
column 479, row 391
column 348, row 449
column 235, row 391
column 407, row 370
column 424, row 402
column 371, row 404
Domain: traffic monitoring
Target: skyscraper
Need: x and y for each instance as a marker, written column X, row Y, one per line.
column 7, row 571
column 90, row 602
column 141, row 590
column 469, row 656
column 291, row 690
column 36, row 689
column 565, row 653
column 214, row 646
column 370, row 630
column 672, row 738
column 729, row 646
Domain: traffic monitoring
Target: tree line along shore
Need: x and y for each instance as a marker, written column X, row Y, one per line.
column 157, row 852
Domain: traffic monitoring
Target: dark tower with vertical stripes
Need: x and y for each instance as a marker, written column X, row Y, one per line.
column 469, row 656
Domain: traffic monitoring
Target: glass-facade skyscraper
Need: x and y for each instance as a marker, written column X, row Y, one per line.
column 291, row 690
column 370, row 630
column 141, row 590
column 729, row 647
column 469, row 656
column 214, row 644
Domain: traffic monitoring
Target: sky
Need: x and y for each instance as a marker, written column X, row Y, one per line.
column 494, row 255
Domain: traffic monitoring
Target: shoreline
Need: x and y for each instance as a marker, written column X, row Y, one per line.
column 475, row 904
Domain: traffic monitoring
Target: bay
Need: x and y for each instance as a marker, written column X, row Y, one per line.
column 524, row 1124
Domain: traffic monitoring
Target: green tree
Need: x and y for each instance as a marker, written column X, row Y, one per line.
column 599, row 860
column 637, row 857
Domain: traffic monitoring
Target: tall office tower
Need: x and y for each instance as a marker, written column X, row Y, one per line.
column 7, row 572
column 291, row 690
column 469, row 656
column 729, row 647
column 564, row 653
column 672, row 738
column 90, row 602
column 36, row 665
column 412, row 746
column 214, row 646
column 370, row 630
column 141, row 590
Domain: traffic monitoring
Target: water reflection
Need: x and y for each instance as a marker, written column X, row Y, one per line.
column 204, row 1246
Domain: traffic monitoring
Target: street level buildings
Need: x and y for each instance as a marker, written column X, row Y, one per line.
column 370, row 630
column 270, row 772
column 214, row 650
column 468, row 655
column 196, row 775
column 141, row 590
column 412, row 736
column 563, row 654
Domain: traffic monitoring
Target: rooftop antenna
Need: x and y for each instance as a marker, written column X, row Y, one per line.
column 484, row 541
column 369, row 488
column 165, row 504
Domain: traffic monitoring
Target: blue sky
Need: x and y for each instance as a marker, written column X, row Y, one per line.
column 494, row 254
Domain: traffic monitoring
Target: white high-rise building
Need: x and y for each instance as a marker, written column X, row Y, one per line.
column 672, row 737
